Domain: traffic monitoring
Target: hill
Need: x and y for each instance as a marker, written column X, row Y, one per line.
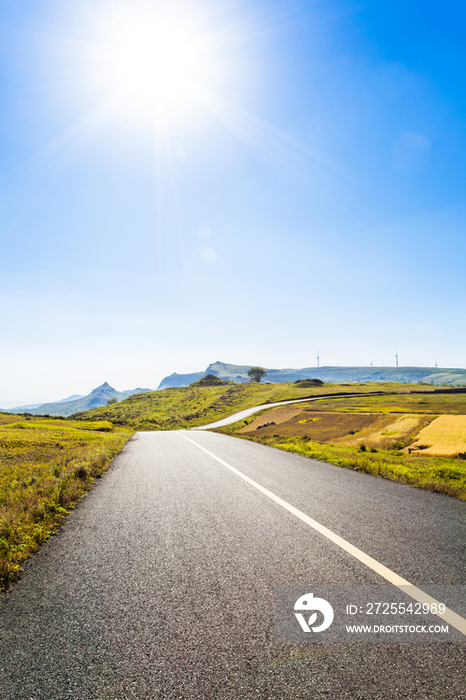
column 205, row 401
column 405, row 375
column 66, row 407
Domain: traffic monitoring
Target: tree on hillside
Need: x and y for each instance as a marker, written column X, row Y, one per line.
column 112, row 401
column 255, row 374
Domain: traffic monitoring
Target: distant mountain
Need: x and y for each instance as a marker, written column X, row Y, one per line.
column 73, row 404
column 407, row 375
column 74, row 397
column 21, row 409
column 236, row 373
column 32, row 406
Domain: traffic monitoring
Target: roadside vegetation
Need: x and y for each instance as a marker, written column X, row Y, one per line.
column 417, row 439
column 46, row 466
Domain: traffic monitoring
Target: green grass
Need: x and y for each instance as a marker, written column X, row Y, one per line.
column 46, row 466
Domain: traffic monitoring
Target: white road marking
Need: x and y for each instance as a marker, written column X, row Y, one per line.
column 417, row 594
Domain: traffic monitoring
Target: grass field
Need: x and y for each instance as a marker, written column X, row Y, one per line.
column 46, row 465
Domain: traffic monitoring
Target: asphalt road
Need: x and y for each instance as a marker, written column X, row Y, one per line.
column 161, row 583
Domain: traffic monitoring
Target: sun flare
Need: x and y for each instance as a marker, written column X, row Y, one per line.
column 166, row 67
column 153, row 61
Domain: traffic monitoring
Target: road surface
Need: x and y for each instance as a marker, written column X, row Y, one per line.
column 160, row 584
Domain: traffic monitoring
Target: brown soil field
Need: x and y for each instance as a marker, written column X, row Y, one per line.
column 278, row 415
column 444, row 437
column 353, row 429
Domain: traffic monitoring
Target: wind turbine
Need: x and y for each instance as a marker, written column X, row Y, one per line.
column 396, row 356
column 318, row 360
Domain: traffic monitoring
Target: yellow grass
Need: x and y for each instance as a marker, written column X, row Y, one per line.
column 444, row 437
column 46, row 465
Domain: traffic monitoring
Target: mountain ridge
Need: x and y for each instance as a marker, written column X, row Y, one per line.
column 408, row 375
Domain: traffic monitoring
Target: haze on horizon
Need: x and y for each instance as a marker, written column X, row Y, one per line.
column 255, row 182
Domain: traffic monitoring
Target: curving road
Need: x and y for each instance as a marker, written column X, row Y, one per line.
column 160, row 585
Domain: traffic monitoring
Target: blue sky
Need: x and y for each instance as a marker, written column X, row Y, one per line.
column 306, row 195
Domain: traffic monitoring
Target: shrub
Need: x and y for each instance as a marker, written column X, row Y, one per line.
column 397, row 445
column 81, row 473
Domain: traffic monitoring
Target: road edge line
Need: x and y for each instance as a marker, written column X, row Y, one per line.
column 417, row 594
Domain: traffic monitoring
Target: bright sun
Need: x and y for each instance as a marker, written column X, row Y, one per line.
column 152, row 61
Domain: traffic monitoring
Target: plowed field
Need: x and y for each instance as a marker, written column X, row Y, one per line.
column 373, row 430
